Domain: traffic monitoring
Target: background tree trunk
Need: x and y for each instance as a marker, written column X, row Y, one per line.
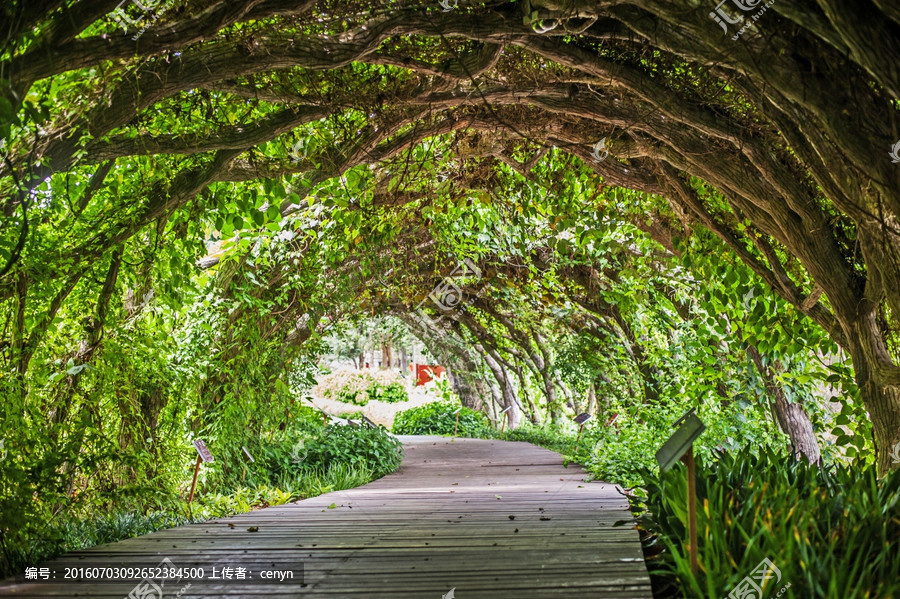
column 387, row 356
column 791, row 416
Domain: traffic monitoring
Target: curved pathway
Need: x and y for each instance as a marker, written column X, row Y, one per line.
column 460, row 519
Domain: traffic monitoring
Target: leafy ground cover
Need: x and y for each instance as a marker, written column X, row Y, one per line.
column 295, row 464
column 832, row 531
column 439, row 418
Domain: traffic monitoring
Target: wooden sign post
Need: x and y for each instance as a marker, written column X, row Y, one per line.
column 503, row 424
column 243, row 465
column 581, row 420
column 456, row 428
column 681, row 444
column 612, row 420
column 692, row 508
column 204, row 455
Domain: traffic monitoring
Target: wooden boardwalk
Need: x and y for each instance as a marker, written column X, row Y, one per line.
column 488, row 519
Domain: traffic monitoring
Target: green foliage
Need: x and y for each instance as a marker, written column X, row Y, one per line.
column 391, row 393
column 622, row 452
column 117, row 350
column 437, row 418
column 361, row 387
column 440, row 386
column 335, row 477
column 356, row 415
column 299, row 463
column 105, row 385
column 548, row 437
column 371, row 448
column 357, row 397
column 833, row 532
column 69, row 533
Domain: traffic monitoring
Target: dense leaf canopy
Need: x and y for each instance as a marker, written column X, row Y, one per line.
column 194, row 192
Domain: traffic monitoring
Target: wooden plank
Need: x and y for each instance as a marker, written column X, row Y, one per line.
column 492, row 519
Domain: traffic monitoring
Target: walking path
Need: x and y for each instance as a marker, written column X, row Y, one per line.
column 461, row 519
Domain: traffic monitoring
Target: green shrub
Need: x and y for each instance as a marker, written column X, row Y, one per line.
column 621, row 455
column 358, row 397
column 337, row 477
column 438, row 419
column 289, row 465
column 548, row 437
column 307, row 419
column 355, row 415
column 622, row 452
column 832, row 532
column 391, row 393
column 372, row 448
column 359, row 388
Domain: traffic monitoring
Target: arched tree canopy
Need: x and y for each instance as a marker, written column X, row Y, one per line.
column 400, row 131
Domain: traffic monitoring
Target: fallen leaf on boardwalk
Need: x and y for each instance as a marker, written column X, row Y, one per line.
column 511, row 517
column 253, row 529
column 498, row 496
column 332, row 506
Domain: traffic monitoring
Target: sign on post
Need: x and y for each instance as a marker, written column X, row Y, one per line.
column 503, row 424
column 689, row 428
column 580, row 420
column 681, row 443
column 204, row 455
column 456, row 426
column 202, row 450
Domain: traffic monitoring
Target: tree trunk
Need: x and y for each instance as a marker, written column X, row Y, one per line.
column 387, row 357
column 791, row 416
column 592, row 400
column 544, row 363
column 534, row 415
column 636, row 350
column 883, row 404
column 404, row 360
column 470, row 388
column 466, row 379
column 509, row 393
column 884, row 409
